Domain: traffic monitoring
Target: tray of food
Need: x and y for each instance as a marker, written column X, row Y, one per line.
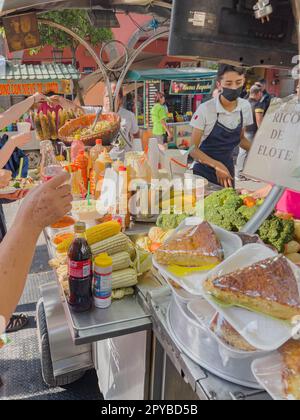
column 193, row 251
column 257, row 292
column 19, row 184
column 279, row 373
column 106, row 129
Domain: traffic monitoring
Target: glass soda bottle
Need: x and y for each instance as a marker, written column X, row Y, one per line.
column 80, row 271
column 49, row 164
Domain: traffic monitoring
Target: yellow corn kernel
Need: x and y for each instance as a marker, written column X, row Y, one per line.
column 102, row 232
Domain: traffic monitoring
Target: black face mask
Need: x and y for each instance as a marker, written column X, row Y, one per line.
column 232, row 94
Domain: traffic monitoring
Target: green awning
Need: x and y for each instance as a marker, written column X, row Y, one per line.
column 35, row 72
column 170, row 74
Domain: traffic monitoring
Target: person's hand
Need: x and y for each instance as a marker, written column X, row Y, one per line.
column 21, row 139
column 39, row 97
column 170, row 135
column 47, row 203
column 18, row 195
column 223, row 175
column 5, row 177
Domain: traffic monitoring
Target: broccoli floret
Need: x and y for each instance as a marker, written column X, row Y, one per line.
column 247, row 212
column 277, row 232
column 219, row 198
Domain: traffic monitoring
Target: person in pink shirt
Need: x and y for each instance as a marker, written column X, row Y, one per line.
column 288, row 204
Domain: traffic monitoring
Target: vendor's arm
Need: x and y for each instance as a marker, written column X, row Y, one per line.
column 15, row 112
column 7, row 150
column 65, row 103
column 245, row 143
column 42, row 207
column 223, row 175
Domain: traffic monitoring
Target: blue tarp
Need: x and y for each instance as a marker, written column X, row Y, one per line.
column 170, row 74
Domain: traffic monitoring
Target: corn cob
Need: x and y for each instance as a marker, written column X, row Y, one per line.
column 131, row 249
column 121, row 261
column 111, row 246
column 124, row 278
column 103, row 231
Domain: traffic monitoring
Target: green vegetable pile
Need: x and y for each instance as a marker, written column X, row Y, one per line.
column 170, row 221
column 226, row 209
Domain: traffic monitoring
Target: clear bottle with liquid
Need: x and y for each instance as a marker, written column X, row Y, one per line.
column 49, row 164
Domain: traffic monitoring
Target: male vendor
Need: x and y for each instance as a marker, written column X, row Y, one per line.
column 219, row 127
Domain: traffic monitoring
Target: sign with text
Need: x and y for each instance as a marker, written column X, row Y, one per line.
column 275, row 153
column 12, row 88
column 196, row 87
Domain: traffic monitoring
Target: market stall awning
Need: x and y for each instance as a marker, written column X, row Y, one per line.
column 27, row 72
column 170, row 74
column 26, row 79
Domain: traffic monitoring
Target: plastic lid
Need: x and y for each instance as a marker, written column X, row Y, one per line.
column 103, row 261
column 99, row 141
column 80, row 227
column 122, row 169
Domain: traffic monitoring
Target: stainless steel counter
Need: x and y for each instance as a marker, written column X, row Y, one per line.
column 172, row 375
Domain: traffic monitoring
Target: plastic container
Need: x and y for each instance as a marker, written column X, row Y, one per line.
column 262, row 332
column 82, row 162
column 192, row 283
column 23, row 127
column 96, row 151
column 102, row 284
column 268, row 373
column 205, row 313
column 200, row 347
column 76, row 147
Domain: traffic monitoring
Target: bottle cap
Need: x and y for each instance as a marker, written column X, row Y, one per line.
column 122, row 169
column 103, row 261
column 81, row 152
column 99, row 141
column 80, row 227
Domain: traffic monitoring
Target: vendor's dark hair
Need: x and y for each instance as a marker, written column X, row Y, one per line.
column 227, row 68
column 159, row 96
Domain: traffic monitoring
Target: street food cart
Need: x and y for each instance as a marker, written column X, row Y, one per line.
column 135, row 346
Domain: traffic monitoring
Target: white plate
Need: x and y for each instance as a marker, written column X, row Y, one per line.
column 262, row 332
column 7, row 191
column 205, row 313
column 268, row 373
column 193, row 282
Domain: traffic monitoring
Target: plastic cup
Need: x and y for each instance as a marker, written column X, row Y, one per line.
column 23, row 127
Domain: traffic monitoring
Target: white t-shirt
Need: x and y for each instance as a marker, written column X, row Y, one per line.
column 206, row 116
column 129, row 124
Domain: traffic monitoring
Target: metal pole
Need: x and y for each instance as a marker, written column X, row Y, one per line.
column 135, row 54
column 275, row 195
column 86, row 45
column 265, row 210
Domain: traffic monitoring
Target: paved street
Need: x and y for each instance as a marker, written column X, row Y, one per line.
column 20, row 368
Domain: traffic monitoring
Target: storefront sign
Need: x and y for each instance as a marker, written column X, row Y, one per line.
column 196, row 87
column 275, row 153
column 12, row 88
column 22, row 32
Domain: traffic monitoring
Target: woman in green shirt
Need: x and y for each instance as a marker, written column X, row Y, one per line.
column 159, row 115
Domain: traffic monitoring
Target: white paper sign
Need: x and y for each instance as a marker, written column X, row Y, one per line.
column 275, row 153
